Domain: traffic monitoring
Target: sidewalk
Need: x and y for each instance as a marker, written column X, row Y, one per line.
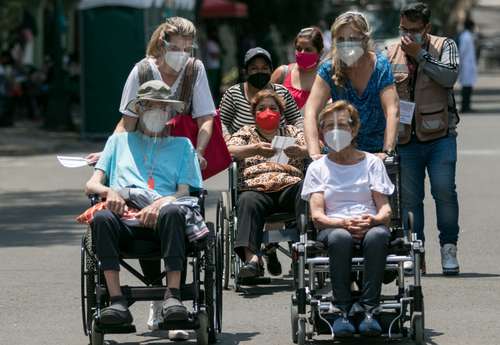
column 25, row 139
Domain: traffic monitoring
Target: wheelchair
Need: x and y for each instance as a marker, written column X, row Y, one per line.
column 205, row 290
column 279, row 228
column 401, row 312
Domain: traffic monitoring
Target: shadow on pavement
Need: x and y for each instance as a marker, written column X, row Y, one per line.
column 430, row 334
column 462, row 275
column 37, row 219
column 223, row 339
column 277, row 285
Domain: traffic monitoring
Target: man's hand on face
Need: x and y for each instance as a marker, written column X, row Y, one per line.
column 409, row 46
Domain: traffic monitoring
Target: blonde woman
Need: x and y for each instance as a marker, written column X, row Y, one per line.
column 356, row 73
column 167, row 53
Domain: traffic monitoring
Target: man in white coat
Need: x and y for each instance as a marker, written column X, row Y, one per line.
column 468, row 65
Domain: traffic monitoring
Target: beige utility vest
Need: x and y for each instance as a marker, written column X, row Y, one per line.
column 431, row 99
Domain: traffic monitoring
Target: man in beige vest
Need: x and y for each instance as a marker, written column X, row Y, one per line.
column 425, row 68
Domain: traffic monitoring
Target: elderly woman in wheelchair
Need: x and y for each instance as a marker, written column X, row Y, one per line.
column 348, row 193
column 265, row 186
column 157, row 167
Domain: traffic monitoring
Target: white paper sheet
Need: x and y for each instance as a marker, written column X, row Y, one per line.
column 280, row 143
column 406, row 110
column 72, row 162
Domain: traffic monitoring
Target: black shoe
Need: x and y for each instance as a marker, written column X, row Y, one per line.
column 251, row 270
column 272, row 263
column 174, row 310
column 113, row 317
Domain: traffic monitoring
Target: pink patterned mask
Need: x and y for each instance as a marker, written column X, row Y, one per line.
column 306, row 60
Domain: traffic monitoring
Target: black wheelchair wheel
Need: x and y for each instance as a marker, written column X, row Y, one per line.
column 417, row 328
column 96, row 337
column 202, row 333
column 301, row 332
column 210, row 285
column 219, row 272
column 223, row 227
column 88, row 269
column 294, row 322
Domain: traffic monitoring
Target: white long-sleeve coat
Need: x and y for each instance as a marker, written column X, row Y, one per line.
column 468, row 65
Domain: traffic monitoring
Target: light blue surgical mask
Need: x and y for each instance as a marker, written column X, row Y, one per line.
column 418, row 38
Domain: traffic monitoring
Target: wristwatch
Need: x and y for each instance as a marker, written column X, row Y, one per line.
column 390, row 153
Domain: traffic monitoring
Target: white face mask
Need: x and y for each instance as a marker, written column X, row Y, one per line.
column 338, row 139
column 350, row 52
column 176, row 60
column 154, row 120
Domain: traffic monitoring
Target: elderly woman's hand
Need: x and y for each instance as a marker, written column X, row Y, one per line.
column 359, row 226
column 264, row 150
column 295, row 151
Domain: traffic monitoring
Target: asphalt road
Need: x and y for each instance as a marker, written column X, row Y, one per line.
column 40, row 241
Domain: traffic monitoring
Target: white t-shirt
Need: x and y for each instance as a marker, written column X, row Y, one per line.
column 347, row 188
column 203, row 103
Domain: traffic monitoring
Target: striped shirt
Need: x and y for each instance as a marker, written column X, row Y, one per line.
column 236, row 112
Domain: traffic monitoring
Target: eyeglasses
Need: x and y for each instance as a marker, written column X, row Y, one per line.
column 411, row 31
column 174, row 48
column 146, row 105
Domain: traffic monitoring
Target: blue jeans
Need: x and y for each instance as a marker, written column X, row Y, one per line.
column 439, row 157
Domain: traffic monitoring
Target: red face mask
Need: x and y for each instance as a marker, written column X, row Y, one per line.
column 268, row 119
column 306, row 60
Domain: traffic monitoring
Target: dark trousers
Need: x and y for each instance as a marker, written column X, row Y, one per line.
column 340, row 250
column 114, row 236
column 466, row 95
column 253, row 207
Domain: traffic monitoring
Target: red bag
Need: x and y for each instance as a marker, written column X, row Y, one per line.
column 216, row 153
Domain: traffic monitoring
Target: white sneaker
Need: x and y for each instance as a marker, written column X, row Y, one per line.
column 178, row 335
column 449, row 260
column 155, row 318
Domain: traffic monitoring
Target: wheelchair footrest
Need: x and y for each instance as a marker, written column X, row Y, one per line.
column 122, row 329
column 149, row 293
column 191, row 323
column 254, row 281
column 281, row 235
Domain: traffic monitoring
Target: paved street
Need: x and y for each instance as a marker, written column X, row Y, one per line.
column 40, row 258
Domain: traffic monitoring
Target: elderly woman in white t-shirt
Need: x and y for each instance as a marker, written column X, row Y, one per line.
column 348, row 196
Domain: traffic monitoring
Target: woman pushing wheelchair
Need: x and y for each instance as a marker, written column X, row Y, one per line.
column 348, row 193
